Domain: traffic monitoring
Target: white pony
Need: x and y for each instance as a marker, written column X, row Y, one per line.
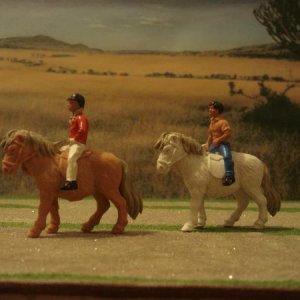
column 202, row 174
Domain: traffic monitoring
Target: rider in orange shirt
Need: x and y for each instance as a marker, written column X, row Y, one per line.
column 219, row 134
column 79, row 127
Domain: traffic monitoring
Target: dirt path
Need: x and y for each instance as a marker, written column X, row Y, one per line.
column 143, row 255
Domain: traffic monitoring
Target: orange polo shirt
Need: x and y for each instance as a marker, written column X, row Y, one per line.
column 219, row 131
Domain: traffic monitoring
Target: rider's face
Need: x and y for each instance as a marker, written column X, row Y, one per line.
column 73, row 105
column 213, row 112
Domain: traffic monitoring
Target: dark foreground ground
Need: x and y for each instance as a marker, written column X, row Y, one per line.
column 153, row 258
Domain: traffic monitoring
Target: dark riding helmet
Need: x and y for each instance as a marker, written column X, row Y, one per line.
column 78, row 98
column 217, row 105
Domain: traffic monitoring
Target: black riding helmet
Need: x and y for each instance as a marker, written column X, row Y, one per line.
column 217, row 105
column 78, row 98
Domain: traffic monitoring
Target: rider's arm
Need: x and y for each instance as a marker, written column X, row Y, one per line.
column 225, row 133
column 81, row 134
column 209, row 140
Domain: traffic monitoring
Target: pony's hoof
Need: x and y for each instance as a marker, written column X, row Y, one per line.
column 200, row 224
column 259, row 225
column 228, row 223
column 118, row 229
column 33, row 233
column 188, row 227
column 198, row 227
column 52, row 228
column 86, row 227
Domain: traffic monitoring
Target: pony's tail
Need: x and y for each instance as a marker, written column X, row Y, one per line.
column 133, row 200
column 273, row 198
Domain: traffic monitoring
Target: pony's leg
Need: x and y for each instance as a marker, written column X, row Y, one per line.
column 197, row 205
column 261, row 202
column 242, row 202
column 53, row 226
column 39, row 225
column 120, row 202
column 102, row 206
column 201, row 214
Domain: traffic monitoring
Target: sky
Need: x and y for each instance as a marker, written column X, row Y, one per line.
column 155, row 25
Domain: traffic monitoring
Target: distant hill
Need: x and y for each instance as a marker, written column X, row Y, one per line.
column 257, row 51
column 41, row 42
column 260, row 51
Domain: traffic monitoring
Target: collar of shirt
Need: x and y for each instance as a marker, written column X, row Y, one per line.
column 78, row 112
column 215, row 119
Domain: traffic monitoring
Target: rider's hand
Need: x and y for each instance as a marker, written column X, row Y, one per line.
column 216, row 142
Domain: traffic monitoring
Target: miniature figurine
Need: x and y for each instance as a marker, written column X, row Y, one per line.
column 79, row 127
column 218, row 139
column 100, row 174
column 200, row 173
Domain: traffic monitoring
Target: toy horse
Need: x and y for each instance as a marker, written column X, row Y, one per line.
column 202, row 174
column 100, row 174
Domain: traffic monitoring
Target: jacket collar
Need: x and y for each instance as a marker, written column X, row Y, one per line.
column 77, row 112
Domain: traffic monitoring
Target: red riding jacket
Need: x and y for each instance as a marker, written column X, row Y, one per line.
column 79, row 127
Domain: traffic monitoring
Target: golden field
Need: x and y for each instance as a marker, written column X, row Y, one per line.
column 128, row 111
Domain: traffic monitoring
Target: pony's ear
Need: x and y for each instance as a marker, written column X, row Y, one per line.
column 20, row 138
column 159, row 143
column 2, row 142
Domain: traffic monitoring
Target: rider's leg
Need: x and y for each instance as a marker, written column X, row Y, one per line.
column 225, row 150
column 75, row 152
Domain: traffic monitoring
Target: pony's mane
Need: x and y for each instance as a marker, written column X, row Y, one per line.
column 190, row 145
column 40, row 144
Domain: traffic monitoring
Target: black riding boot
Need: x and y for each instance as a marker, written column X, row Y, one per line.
column 70, row 185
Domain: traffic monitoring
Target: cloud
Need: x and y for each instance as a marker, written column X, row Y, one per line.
column 154, row 21
column 154, row 6
column 126, row 26
column 98, row 26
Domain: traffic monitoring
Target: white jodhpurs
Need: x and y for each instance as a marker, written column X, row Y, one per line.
column 75, row 150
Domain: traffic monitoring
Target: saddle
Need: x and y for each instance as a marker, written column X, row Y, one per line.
column 216, row 165
column 64, row 152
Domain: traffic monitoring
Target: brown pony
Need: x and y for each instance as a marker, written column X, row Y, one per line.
column 100, row 174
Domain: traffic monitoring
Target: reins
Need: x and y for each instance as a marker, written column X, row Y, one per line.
column 169, row 163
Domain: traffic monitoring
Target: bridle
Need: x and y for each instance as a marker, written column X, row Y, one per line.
column 171, row 162
column 15, row 163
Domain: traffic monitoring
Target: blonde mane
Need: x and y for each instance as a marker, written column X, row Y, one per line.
column 41, row 145
column 190, row 145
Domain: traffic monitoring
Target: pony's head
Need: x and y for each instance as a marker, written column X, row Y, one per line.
column 173, row 147
column 19, row 146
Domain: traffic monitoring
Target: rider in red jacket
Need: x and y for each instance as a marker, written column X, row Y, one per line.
column 79, row 128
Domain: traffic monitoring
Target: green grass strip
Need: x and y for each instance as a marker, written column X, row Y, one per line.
column 283, row 231
column 169, row 207
column 290, row 209
column 18, row 206
column 174, row 207
column 219, row 200
column 67, row 277
column 74, row 226
column 177, row 207
column 19, row 197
